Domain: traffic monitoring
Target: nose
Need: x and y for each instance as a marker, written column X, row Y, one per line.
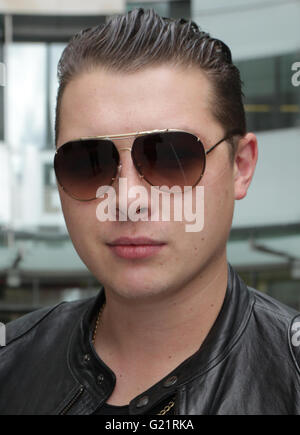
column 126, row 168
column 132, row 192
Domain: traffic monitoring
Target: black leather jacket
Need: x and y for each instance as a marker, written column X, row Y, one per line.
column 248, row 364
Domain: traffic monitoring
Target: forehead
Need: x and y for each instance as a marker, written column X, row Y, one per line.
column 102, row 102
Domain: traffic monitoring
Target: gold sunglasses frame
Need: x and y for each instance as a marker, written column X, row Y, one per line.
column 144, row 133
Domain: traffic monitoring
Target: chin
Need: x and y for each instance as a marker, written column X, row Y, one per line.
column 134, row 288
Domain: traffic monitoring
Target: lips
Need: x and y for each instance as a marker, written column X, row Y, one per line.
column 135, row 241
column 135, row 247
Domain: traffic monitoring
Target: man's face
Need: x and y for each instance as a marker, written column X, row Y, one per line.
column 105, row 103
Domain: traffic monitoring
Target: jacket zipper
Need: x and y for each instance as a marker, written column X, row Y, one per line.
column 72, row 401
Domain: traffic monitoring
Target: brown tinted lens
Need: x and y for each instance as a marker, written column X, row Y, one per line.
column 170, row 159
column 81, row 167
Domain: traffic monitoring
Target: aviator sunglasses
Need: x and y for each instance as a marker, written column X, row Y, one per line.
column 166, row 158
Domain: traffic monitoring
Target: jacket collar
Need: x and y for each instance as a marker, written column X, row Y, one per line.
column 99, row 381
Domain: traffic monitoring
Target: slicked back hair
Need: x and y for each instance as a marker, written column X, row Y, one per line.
column 141, row 38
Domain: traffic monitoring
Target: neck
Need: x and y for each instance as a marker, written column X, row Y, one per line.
column 172, row 326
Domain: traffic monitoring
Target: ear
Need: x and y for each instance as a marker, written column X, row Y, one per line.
column 244, row 164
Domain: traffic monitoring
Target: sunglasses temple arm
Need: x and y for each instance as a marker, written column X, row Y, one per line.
column 214, row 146
column 233, row 133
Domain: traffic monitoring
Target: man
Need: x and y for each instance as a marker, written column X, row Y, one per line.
column 174, row 330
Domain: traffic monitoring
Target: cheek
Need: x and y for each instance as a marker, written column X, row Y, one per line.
column 211, row 240
column 219, row 204
column 214, row 210
column 80, row 217
column 219, row 209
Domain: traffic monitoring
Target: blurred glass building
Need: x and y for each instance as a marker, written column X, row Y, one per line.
column 38, row 264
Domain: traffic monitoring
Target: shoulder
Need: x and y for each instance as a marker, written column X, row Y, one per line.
column 279, row 323
column 272, row 307
column 63, row 311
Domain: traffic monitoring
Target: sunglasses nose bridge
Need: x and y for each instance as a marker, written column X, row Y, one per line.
column 120, row 164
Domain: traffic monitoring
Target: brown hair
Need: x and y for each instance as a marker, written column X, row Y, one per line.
column 140, row 38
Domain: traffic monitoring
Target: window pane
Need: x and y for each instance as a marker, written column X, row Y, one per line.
column 26, row 94
column 258, row 77
column 271, row 101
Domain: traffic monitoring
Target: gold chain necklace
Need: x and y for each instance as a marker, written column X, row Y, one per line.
column 170, row 405
column 97, row 323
